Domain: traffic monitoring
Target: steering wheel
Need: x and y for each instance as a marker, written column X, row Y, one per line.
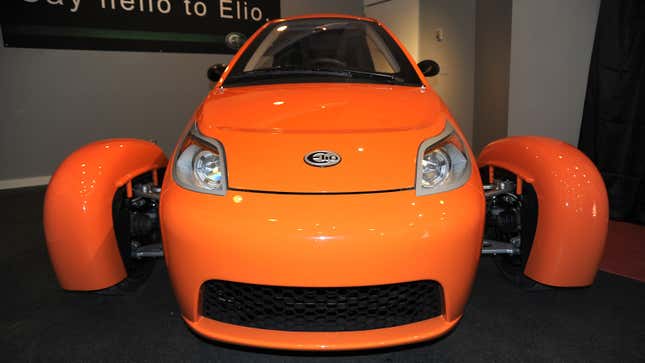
column 329, row 62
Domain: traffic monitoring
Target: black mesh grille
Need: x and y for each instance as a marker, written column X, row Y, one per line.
column 321, row 309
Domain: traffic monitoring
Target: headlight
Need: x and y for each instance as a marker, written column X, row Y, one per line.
column 200, row 165
column 442, row 163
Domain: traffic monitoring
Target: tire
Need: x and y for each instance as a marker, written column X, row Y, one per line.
column 512, row 267
column 137, row 271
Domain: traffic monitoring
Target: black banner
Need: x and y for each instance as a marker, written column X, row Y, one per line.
column 190, row 26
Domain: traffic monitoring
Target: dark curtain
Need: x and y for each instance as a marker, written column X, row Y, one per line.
column 613, row 124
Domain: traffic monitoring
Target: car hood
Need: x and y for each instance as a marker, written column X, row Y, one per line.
column 267, row 131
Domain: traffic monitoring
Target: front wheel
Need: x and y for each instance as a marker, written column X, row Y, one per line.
column 508, row 217
column 135, row 222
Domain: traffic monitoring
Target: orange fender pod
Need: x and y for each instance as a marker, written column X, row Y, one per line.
column 572, row 206
column 78, row 210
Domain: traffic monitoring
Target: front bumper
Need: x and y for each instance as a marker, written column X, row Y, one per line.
column 322, row 241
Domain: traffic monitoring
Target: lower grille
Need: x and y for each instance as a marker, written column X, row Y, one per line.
column 321, row 309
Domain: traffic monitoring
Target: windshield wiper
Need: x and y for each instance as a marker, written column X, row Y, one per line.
column 289, row 71
column 366, row 74
column 282, row 71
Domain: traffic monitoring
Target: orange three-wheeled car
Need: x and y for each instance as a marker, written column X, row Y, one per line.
column 322, row 197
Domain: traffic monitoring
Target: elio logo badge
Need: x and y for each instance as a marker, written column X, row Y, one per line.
column 322, row 158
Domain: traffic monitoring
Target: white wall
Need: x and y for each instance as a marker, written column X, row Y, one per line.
column 548, row 44
column 299, row 7
column 401, row 17
column 492, row 68
column 415, row 22
column 551, row 48
column 455, row 54
column 54, row 101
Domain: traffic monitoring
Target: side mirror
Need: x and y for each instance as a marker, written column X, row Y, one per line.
column 215, row 72
column 429, row 68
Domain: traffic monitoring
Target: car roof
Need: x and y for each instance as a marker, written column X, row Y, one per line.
column 325, row 16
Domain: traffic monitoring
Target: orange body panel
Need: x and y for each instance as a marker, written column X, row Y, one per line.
column 78, row 210
column 375, row 338
column 322, row 241
column 572, row 207
column 371, row 126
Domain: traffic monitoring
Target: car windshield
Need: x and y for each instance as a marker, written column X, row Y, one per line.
column 323, row 50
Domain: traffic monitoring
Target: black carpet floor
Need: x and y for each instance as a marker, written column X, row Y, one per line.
column 40, row 322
